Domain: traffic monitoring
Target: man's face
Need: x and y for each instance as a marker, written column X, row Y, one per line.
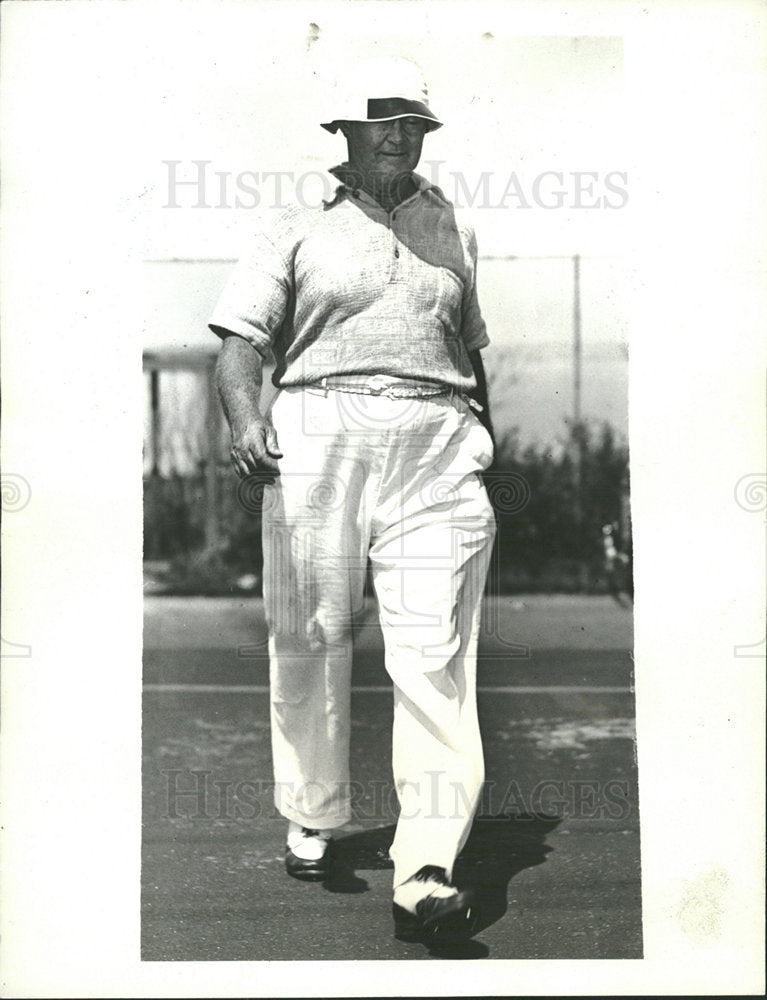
column 385, row 149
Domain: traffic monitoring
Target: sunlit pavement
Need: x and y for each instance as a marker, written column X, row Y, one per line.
column 554, row 855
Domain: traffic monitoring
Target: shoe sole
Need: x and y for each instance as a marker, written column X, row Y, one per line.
column 449, row 926
column 309, row 876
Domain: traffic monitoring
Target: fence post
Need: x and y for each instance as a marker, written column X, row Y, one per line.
column 154, row 397
column 213, row 424
column 578, row 425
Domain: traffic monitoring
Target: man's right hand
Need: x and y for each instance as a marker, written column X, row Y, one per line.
column 254, row 441
column 255, row 450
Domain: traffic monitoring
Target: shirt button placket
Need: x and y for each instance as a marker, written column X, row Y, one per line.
column 395, row 267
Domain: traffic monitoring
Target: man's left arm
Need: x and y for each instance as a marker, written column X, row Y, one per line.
column 480, row 393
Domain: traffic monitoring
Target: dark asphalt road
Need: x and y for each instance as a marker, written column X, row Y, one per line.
column 554, row 855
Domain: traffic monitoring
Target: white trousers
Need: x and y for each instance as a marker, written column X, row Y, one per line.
column 396, row 480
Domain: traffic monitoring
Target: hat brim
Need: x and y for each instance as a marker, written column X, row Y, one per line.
column 388, row 109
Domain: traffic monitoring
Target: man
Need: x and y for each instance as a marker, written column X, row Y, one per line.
column 372, row 450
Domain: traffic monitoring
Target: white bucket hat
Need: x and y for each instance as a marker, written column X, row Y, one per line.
column 380, row 90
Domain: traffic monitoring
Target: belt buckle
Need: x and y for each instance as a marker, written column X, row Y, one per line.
column 379, row 383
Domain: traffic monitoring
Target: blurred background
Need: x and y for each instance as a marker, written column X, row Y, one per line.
column 531, row 153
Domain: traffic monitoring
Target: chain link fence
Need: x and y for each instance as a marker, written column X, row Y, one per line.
column 561, row 496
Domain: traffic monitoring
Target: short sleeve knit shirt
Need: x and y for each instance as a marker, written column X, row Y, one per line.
column 348, row 288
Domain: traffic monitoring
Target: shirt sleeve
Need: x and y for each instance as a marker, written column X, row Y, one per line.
column 254, row 302
column 473, row 329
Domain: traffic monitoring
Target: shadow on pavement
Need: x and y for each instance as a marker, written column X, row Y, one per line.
column 367, row 850
column 498, row 849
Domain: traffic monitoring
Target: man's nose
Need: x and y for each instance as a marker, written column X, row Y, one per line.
column 396, row 131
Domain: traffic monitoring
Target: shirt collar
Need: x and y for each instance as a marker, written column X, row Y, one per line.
column 342, row 173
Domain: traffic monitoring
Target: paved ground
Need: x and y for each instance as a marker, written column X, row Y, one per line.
column 554, row 854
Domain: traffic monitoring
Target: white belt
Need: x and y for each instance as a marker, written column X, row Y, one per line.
column 388, row 385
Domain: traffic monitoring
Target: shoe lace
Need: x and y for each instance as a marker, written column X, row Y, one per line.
column 314, row 833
